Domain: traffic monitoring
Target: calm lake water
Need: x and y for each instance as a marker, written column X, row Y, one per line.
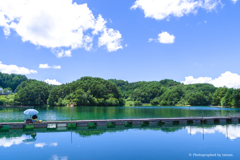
column 119, row 142
column 85, row 113
column 161, row 142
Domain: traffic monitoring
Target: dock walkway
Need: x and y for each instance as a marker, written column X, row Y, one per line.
column 105, row 122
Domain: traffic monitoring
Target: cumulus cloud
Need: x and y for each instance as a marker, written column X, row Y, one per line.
column 164, row 38
column 52, row 81
column 15, row 69
column 228, row 79
column 46, row 66
column 234, row 1
column 60, row 25
column 160, row 9
column 40, row 145
column 110, row 38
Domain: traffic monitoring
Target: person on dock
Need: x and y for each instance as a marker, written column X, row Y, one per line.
column 34, row 118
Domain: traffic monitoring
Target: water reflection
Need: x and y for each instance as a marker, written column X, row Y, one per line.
column 8, row 142
column 56, row 157
column 230, row 131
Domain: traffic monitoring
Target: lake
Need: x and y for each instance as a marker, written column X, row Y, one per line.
column 219, row 141
column 90, row 113
column 161, row 142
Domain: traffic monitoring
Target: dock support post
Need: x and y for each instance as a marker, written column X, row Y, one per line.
column 104, row 123
column 15, row 126
column 153, row 123
column 117, row 123
column 234, row 120
column 182, row 121
column 82, row 124
column 222, row 121
column 210, row 121
column 40, row 125
column 167, row 122
column 136, row 123
column 196, row 121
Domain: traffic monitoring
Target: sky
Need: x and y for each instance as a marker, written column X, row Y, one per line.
column 59, row 41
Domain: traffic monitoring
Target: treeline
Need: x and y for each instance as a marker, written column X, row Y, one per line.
column 86, row 91
column 11, row 80
column 89, row 91
column 170, row 93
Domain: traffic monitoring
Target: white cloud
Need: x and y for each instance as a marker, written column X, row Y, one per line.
column 161, row 9
column 110, row 38
column 56, row 157
column 45, row 66
column 52, row 81
column 100, row 25
column 40, row 145
column 15, row 69
column 8, row 142
column 234, row 1
column 151, row 39
column 205, row 21
column 61, row 25
column 56, row 67
column 228, row 79
column 164, row 38
column 53, row 144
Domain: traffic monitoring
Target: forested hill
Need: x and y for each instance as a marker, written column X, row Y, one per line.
column 11, row 80
column 90, row 91
column 169, row 93
column 87, row 91
column 143, row 91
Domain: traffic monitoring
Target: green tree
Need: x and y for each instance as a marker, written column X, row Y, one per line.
column 218, row 95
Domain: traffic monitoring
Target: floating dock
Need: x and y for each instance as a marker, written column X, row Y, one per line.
column 119, row 122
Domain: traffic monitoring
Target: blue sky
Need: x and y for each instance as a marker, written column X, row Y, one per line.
column 201, row 40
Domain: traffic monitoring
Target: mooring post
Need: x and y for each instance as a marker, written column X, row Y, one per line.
column 189, row 112
column 227, row 131
column 202, row 114
column 203, row 131
column 72, row 111
column 225, row 109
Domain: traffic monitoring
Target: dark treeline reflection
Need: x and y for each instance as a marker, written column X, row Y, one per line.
column 82, row 133
column 88, row 132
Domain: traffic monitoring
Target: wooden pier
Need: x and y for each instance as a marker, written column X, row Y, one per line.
column 119, row 122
